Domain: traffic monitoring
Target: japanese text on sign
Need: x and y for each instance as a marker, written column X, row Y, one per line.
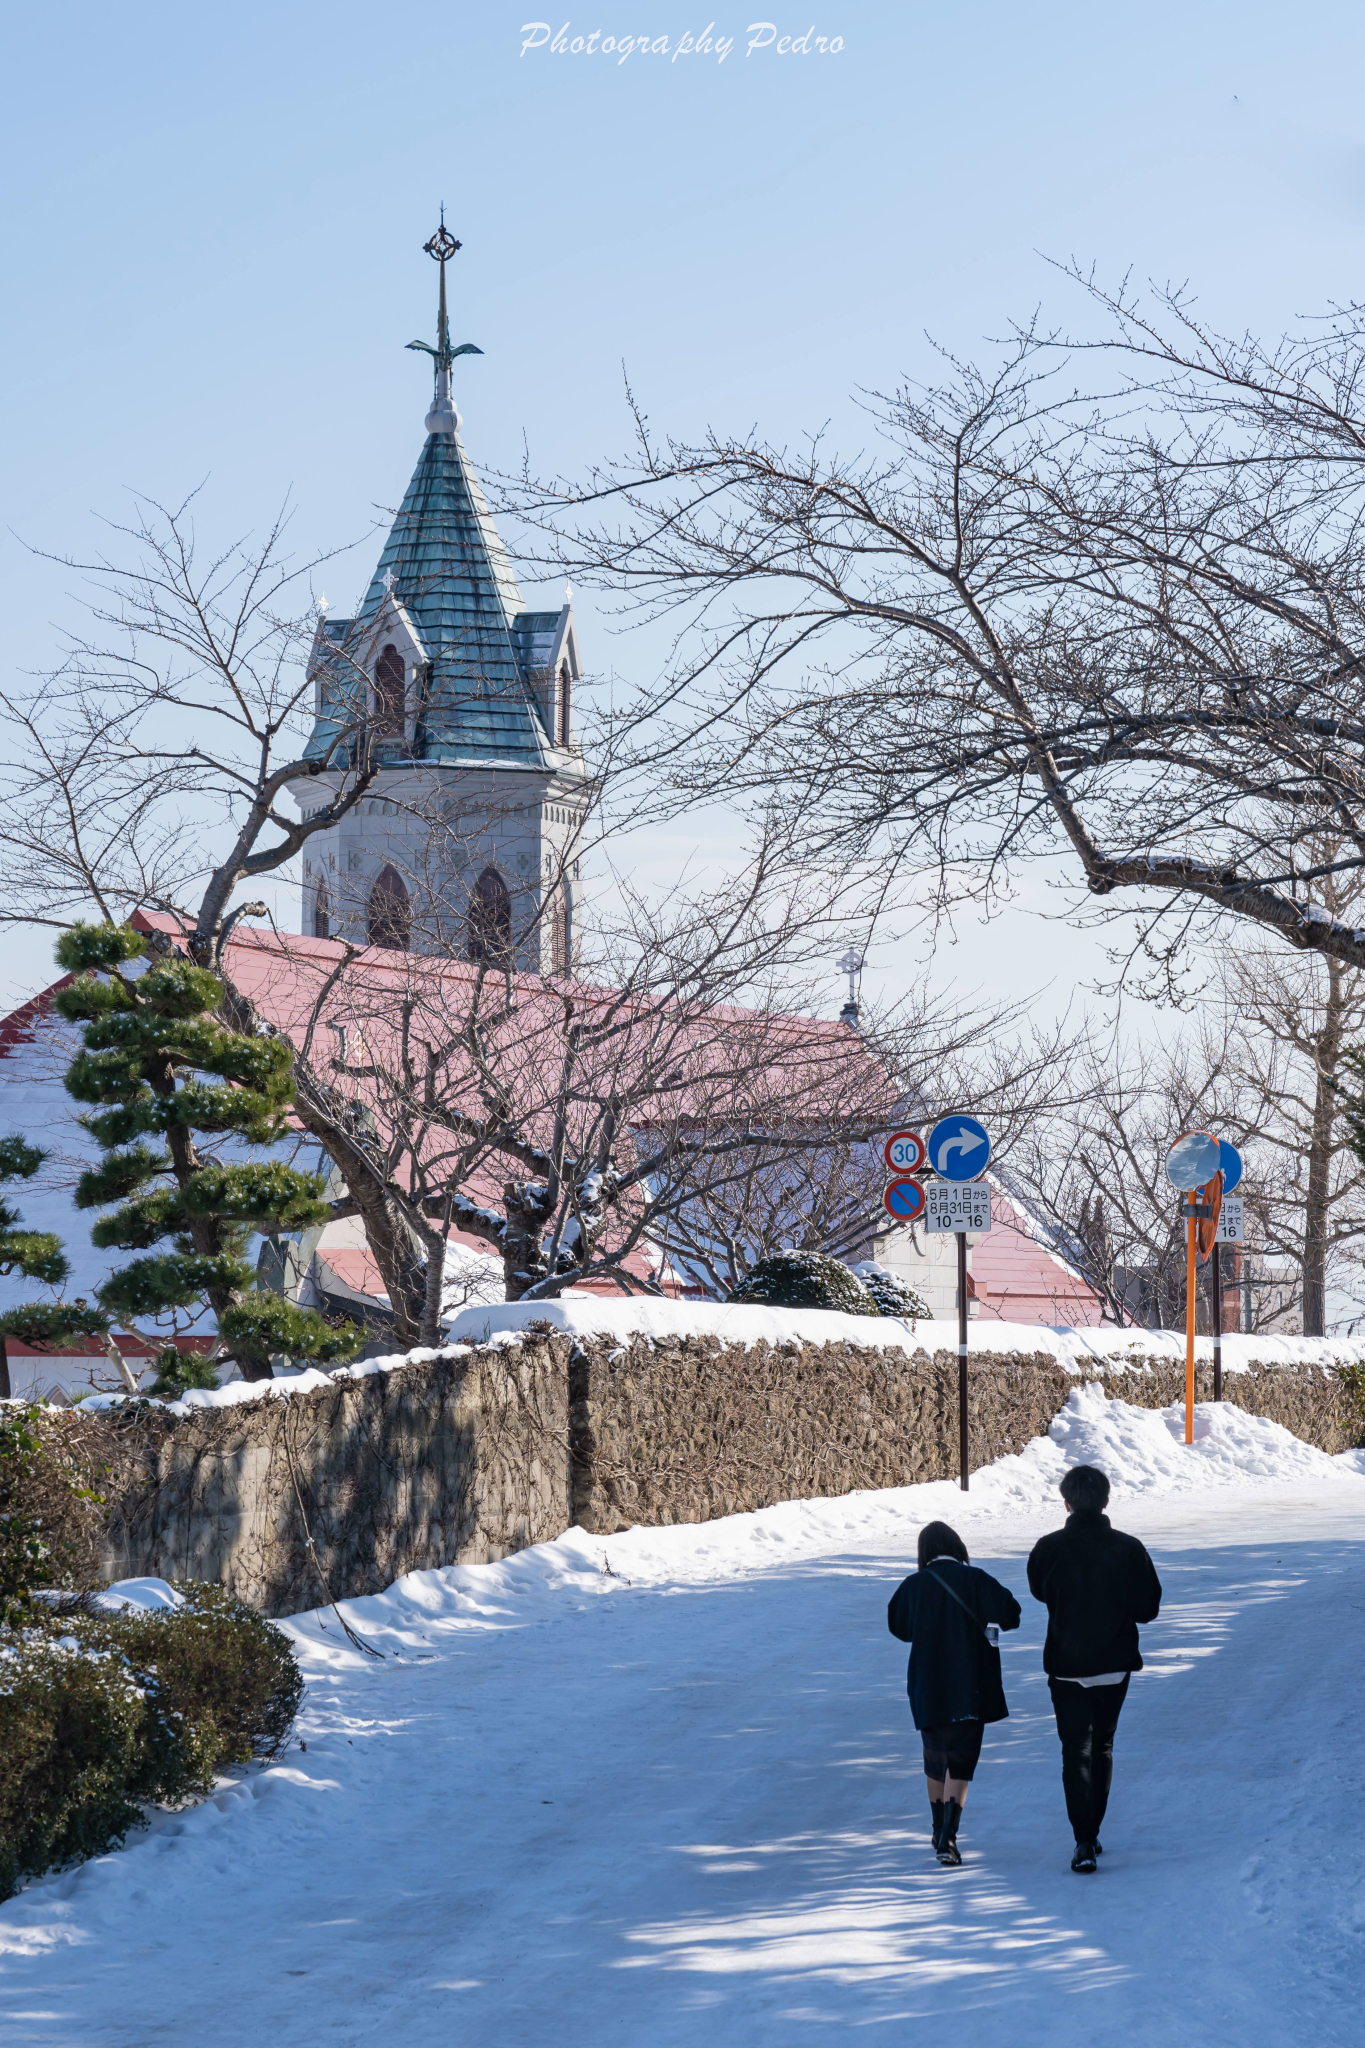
column 961, row 1205
column 1230, row 1223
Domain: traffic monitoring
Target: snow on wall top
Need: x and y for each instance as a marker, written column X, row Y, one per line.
column 733, row 1323
column 659, row 1318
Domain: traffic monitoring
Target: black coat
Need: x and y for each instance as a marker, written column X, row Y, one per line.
column 954, row 1673
column 1098, row 1585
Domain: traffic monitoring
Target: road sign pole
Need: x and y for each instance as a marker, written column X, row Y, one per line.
column 1217, row 1324
column 962, row 1443
column 1189, row 1322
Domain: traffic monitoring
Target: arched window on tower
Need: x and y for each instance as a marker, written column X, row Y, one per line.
column 322, row 922
column 390, row 915
column 565, row 704
column 390, row 710
column 561, row 932
column 490, row 919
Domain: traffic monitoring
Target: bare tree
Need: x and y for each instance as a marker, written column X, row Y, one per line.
column 1258, row 1062
column 150, row 770
column 560, row 1119
column 1122, row 625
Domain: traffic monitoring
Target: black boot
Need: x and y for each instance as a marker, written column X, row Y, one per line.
column 936, row 1809
column 1084, row 1859
column 948, row 1851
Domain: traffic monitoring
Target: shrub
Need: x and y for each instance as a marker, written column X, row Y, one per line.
column 805, row 1280
column 100, row 1710
column 893, row 1296
column 70, row 1735
column 212, row 1668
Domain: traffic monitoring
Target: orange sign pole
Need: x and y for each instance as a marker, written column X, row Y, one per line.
column 1189, row 1319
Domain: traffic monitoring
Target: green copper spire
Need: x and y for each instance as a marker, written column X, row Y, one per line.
column 443, row 418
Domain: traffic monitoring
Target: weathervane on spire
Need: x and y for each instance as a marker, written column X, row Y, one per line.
column 443, row 418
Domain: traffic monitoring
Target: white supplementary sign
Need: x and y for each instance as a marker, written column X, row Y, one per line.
column 1230, row 1221
column 957, row 1205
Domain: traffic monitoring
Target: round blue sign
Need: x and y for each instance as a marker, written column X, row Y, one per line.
column 1193, row 1160
column 904, row 1199
column 959, row 1148
column 1232, row 1165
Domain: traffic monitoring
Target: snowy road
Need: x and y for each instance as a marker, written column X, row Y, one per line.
column 682, row 1804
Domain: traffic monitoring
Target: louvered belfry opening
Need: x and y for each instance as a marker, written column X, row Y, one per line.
column 389, row 708
column 565, row 704
column 390, row 912
column 490, row 919
column 322, row 921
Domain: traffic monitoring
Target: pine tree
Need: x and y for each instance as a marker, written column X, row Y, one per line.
column 38, row 1255
column 162, row 1070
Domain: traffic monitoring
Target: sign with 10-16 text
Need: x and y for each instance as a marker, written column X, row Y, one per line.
column 1230, row 1221
column 958, row 1205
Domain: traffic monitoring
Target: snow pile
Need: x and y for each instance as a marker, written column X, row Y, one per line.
column 152, row 1596
column 1143, row 1451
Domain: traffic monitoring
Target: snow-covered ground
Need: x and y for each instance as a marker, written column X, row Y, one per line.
column 662, row 1788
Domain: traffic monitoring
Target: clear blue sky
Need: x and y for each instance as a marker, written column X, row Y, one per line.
column 214, row 222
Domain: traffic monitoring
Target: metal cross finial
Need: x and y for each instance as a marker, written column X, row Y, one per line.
column 389, row 580
column 568, row 593
column 443, row 418
column 852, row 966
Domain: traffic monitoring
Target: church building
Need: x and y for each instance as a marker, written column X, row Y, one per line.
column 467, row 840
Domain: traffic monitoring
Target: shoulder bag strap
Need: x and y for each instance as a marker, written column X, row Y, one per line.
column 958, row 1597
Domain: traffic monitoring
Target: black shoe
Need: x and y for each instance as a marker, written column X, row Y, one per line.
column 1084, row 1858
column 1099, row 1848
column 948, row 1851
column 936, row 1809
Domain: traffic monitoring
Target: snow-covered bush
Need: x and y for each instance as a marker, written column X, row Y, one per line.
column 70, row 1737
column 893, row 1296
column 102, row 1710
column 805, row 1280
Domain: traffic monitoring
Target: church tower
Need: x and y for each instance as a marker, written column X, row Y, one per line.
column 466, row 842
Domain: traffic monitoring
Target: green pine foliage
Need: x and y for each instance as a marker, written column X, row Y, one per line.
column 805, row 1280
column 160, row 1072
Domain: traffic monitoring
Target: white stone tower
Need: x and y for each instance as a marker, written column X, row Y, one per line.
column 466, row 841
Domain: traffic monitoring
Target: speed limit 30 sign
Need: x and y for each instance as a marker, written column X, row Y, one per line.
column 904, row 1152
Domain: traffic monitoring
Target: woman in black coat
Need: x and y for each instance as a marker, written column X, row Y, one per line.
column 951, row 1612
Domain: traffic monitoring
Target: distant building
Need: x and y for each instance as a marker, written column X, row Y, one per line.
column 467, row 840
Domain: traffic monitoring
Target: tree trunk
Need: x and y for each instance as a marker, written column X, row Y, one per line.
column 1327, row 1050
column 523, row 1244
column 332, row 1119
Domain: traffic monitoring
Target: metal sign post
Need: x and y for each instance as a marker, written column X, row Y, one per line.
column 1192, row 1165
column 1217, row 1279
column 959, row 1149
column 1189, row 1320
column 1230, row 1161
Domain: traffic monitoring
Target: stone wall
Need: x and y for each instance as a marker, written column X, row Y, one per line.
column 336, row 1491
column 681, row 1431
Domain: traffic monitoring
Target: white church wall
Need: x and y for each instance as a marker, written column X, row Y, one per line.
column 926, row 1262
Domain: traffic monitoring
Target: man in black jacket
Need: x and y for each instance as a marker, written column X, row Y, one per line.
column 1098, row 1585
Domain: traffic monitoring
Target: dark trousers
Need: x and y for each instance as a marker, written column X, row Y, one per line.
column 1087, row 1716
